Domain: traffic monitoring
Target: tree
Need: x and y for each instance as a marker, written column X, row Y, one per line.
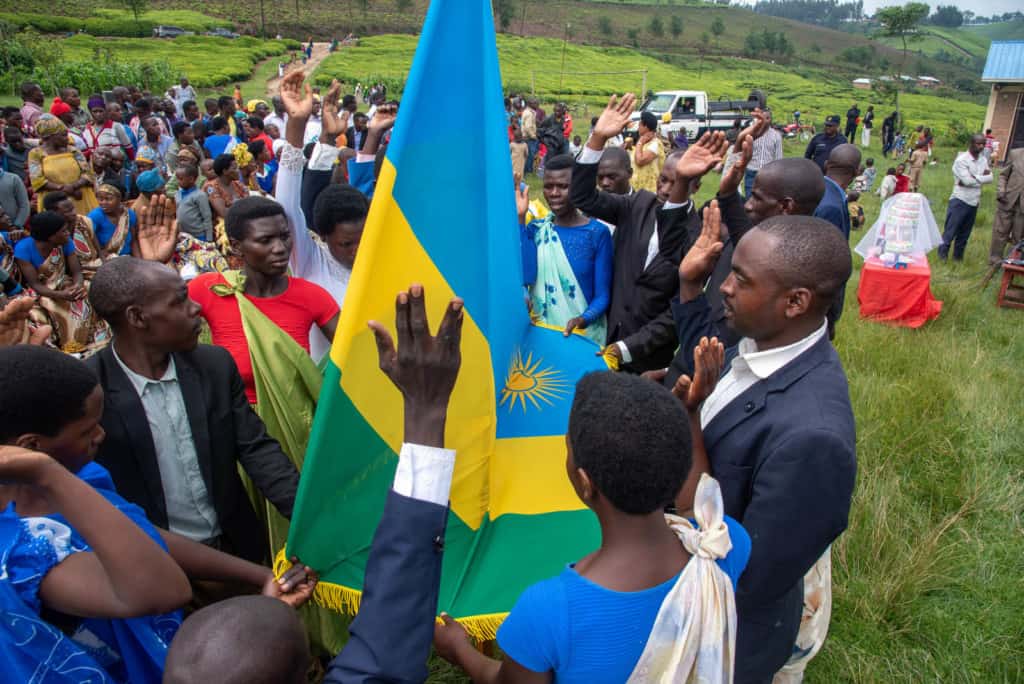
column 656, row 27
column 634, row 37
column 403, row 6
column 902, row 22
column 677, row 26
column 506, row 10
column 717, row 28
column 136, row 7
column 948, row 16
column 604, row 25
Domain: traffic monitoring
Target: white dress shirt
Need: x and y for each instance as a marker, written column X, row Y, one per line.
column 750, row 367
column 190, row 510
column 310, row 259
column 969, row 174
column 425, row 473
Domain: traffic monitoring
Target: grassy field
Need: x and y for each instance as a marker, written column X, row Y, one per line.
column 528, row 62
column 970, row 41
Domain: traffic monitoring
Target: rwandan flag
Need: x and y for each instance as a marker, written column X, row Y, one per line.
column 514, row 517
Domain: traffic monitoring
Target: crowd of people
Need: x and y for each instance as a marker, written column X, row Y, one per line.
column 145, row 476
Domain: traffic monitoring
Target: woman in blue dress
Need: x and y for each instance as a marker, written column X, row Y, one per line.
column 567, row 258
column 114, row 223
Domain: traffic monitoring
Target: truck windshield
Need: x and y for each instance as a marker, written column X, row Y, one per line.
column 660, row 103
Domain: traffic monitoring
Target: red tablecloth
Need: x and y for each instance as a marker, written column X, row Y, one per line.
column 897, row 296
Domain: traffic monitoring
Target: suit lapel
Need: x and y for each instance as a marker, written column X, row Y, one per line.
column 127, row 406
column 649, row 221
column 195, row 406
column 750, row 402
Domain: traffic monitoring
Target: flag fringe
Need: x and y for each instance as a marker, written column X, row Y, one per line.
column 345, row 600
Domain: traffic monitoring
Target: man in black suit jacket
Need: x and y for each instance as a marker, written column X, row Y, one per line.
column 649, row 229
column 783, row 187
column 778, row 429
column 176, row 417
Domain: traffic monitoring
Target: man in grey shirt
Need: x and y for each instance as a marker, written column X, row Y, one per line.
column 13, row 198
column 177, row 422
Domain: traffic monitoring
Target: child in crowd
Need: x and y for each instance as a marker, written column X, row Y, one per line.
column 619, row 610
column 869, row 174
column 576, row 145
column 15, row 152
column 902, row 180
column 918, row 158
column 856, row 211
column 192, row 205
column 206, row 168
column 519, row 153
column 888, row 187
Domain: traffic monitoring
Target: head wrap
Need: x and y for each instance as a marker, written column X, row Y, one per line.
column 109, row 189
column 59, row 107
column 278, row 144
column 96, row 101
column 48, row 125
column 250, row 106
column 243, row 156
column 149, row 181
column 146, row 155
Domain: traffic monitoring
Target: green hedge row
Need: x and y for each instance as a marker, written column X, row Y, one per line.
column 114, row 22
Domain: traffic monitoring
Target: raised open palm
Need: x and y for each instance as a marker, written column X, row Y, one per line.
column 334, row 122
column 615, row 116
column 297, row 95
column 701, row 258
column 157, row 230
column 702, row 156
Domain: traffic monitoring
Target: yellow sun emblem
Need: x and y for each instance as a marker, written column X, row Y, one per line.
column 526, row 381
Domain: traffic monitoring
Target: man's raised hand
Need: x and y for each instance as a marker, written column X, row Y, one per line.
column 297, row 95
column 423, row 367
column 157, row 230
column 708, row 359
column 334, row 122
column 731, row 179
column 702, row 156
column 383, row 118
column 700, row 260
column 613, row 119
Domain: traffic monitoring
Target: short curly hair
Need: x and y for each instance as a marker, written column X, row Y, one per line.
column 338, row 204
column 632, row 437
column 43, row 390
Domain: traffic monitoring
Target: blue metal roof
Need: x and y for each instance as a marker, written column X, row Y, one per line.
column 1005, row 61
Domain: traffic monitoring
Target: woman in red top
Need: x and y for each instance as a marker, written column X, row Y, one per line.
column 259, row 231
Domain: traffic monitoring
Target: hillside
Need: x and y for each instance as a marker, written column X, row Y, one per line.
column 535, row 64
column 583, row 21
column 968, row 42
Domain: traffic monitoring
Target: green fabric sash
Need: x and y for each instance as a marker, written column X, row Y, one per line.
column 287, row 387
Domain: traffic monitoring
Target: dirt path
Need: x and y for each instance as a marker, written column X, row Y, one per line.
column 320, row 52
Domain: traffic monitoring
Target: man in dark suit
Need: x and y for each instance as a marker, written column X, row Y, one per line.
column 778, row 428
column 177, row 420
column 649, row 229
column 391, row 637
column 783, row 187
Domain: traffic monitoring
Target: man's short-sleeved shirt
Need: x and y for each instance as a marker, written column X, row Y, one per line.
column 302, row 305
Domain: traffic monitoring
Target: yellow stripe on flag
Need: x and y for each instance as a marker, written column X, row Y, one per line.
column 532, row 477
column 398, row 259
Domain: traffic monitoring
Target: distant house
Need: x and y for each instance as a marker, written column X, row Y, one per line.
column 929, row 81
column 1004, row 69
column 862, row 83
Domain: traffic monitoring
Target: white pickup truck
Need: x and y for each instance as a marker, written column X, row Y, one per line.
column 692, row 111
